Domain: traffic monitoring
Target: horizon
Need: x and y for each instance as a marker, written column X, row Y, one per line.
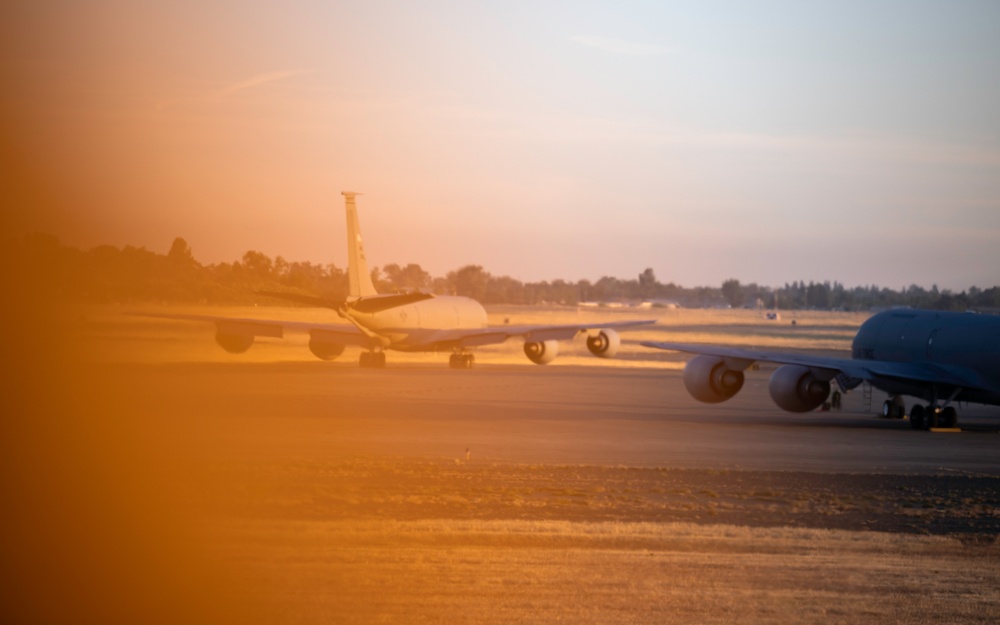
column 443, row 275
column 706, row 143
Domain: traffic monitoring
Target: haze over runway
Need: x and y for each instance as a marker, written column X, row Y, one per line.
column 855, row 142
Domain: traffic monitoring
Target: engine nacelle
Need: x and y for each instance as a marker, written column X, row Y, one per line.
column 234, row 343
column 797, row 389
column 541, row 352
column 325, row 350
column 605, row 344
column 709, row 380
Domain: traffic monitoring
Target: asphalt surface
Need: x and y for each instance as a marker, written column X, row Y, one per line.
column 551, row 415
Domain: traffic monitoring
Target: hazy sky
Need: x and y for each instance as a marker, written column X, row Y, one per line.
column 763, row 141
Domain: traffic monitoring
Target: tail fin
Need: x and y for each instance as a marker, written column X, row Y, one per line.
column 357, row 265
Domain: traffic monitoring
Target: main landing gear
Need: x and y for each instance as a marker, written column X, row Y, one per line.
column 927, row 417
column 922, row 417
column 461, row 360
column 372, row 360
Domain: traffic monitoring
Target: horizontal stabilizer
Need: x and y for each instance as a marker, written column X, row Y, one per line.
column 309, row 300
column 378, row 303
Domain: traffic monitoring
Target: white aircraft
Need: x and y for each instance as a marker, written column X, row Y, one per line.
column 407, row 322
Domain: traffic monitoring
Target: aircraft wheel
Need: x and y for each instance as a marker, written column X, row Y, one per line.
column 931, row 418
column 948, row 417
column 468, row 360
column 917, row 417
column 365, row 361
column 379, row 360
column 893, row 408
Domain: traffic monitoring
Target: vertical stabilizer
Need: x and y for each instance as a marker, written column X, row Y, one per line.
column 357, row 264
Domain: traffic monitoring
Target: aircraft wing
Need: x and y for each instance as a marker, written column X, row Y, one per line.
column 850, row 369
column 498, row 334
column 338, row 332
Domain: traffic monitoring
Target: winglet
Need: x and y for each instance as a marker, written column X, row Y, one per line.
column 357, row 265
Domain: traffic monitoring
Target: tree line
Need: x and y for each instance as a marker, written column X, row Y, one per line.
column 107, row 274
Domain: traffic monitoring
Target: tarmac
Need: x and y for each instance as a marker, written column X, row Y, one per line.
column 553, row 415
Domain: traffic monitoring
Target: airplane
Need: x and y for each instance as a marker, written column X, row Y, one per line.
column 937, row 357
column 406, row 322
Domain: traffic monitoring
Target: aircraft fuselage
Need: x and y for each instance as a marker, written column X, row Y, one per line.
column 408, row 327
column 947, row 339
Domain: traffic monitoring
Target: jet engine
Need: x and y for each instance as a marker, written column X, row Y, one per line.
column 234, row 343
column 709, row 380
column 605, row 344
column 325, row 350
column 797, row 389
column 541, row 352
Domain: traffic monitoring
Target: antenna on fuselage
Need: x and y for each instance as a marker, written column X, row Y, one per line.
column 359, row 278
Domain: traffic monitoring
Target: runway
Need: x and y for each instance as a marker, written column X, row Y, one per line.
column 551, row 415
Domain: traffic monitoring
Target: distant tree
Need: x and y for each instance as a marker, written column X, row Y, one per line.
column 505, row 290
column 470, row 281
column 409, row 278
column 281, row 267
column 732, row 292
column 257, row 264
column 180, row 254
column 108, row 274
column 647, row 284
column 609, row 289
column 818, row 295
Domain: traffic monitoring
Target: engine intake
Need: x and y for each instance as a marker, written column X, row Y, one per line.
column 709, row 380
column 797, row 389
column 541, row 352
column 234, row 343
column 325, row 350
column 605, row 344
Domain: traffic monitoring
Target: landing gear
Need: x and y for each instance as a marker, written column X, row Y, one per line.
column 461, row 360
column 948, row 417
column 894, row 408
column 372, row 360
column 927, row 417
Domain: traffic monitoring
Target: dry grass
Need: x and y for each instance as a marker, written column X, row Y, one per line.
column 404, row 541
column 527, row 571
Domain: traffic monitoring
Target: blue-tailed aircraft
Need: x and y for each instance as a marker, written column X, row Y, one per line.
column 407, row 322
column 940, row 358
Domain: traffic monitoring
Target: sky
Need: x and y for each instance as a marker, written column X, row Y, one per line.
column 769, row 142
